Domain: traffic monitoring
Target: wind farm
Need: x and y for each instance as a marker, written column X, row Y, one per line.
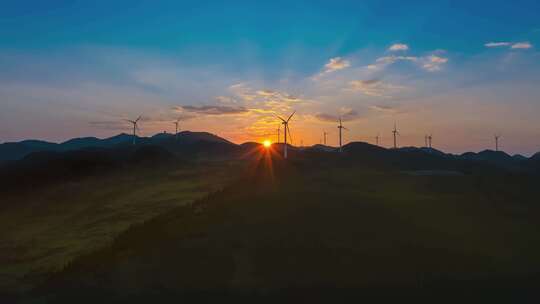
column 263, row 152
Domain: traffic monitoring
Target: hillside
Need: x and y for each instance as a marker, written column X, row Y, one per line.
column 308, row 229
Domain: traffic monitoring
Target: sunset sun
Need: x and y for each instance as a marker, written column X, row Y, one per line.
column 267, row 143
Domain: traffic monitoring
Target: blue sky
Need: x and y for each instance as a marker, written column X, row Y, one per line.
column 460, row 70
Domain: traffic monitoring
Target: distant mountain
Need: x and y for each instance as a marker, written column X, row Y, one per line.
column 494, row 157
column 203, row 144
column 423, row 150
column 519, row 157
column 322, row 148
column 89, row 142
column 534, row 161
column 18, row 150
column 13, row 151
column 363, row 148
column 200, row 136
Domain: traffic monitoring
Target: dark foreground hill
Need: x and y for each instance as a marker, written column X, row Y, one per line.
column 326, row 229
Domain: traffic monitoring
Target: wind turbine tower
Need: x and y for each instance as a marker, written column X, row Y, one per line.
column 341, row 127
column 429, row 140
column 279, row 134
column 176, row 123
column 395, row 132
column 135, row 127
column 325, row 134
column 497, row 142
column 286, row 130
column 377, row 139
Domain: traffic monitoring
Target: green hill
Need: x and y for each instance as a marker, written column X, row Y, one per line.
column 315, row 229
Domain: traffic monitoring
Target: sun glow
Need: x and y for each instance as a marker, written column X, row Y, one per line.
column 267, row 143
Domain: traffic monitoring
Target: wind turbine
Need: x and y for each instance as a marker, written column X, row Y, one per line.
column 341, row 127
column 176, row 124
column 286, row 130
column 324, row 135
column 429, row 140
column 425, row 141
column 135, row 127
column 497, row 142
column 377, row 139
column 279, row 134
column 395, row 132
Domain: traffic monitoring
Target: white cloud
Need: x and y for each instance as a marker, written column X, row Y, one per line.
column 336, row 64
column 496, row 44
column 265, row 99
column 513, row 45
column 373, row 87
column 399, row 47
column 522, row 45
column 382, row 62
column 433, row 63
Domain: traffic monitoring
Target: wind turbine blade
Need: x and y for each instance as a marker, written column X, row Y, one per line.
column 138, row 118
column 281, row 118
column 345, row 128
column 291, row 116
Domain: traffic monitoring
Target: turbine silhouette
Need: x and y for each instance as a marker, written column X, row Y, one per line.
column 286, row 131
column 135, row 127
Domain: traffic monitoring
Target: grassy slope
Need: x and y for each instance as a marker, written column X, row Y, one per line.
column 44, row 229
column 328, row 228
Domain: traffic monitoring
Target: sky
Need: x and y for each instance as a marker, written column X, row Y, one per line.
column 461, row 71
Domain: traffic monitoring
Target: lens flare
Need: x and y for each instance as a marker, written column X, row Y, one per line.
column 267, row 143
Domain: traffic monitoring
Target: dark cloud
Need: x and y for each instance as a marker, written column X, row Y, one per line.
column 348, row 115
column 213, row 110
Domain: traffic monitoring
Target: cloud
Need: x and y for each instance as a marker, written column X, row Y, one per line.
column 265, row 99
column 433, row 63
column 398, row 47
column 212, row 110
column 226, row 100
column 266, row 92
column 382, row 62
column 109, row 125
column 383, row 108
column 335, row 64
column 522, row 45
column 517, row 45
column 346, row 115
column 372, row 87
column 496, row 44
